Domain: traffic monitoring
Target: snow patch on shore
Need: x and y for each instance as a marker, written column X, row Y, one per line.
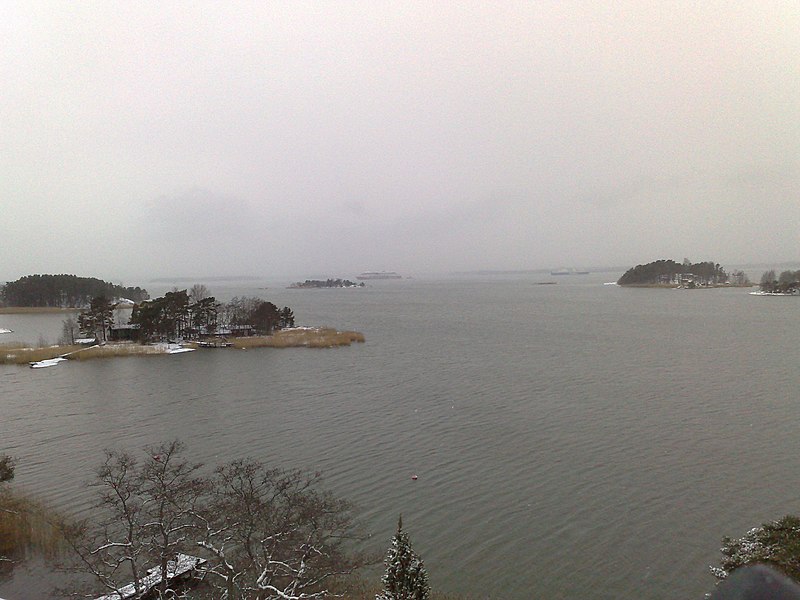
column 762, row 293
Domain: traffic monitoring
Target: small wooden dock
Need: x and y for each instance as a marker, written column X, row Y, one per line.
column 177, row 569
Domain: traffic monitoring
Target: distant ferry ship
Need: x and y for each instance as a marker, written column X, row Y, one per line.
column 568, row 272
column 379, row 275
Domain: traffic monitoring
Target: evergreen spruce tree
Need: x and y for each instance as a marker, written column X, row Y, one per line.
column 405, row 577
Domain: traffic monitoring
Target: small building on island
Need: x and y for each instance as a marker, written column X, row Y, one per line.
column 125, row 333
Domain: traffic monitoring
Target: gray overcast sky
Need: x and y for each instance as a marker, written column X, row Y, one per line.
column 143, row 139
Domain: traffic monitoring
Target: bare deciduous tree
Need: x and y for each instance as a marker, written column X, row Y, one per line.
column 69, row 331
column 264, row 533
column 145, row 515
column 274, row 535
column 198, row 292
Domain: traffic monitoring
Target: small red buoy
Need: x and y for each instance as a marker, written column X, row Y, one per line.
column 414, row 477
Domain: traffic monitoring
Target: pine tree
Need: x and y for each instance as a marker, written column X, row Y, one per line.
column 405, row 577
column 287, row 317
column 98, row 318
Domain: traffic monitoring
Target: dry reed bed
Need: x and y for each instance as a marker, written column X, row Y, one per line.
column 323, row 337
column 113, row 350
column 18, row 355
column 15, row 354
column 27, row 526
column 34, row 310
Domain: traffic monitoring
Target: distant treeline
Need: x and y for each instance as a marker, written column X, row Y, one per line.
column 666, row 271
column 64, row 291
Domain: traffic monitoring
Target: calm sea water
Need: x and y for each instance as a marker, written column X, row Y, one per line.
column 570, row 441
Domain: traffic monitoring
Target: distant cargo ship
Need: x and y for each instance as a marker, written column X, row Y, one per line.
column 379, row 275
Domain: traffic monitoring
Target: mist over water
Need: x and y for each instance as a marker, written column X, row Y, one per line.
column 570, row 440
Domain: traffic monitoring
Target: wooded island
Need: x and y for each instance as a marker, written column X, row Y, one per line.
column 327, row 283
column 785, row 284
column 669, row 273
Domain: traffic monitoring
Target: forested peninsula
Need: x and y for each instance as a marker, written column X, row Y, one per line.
column 669, row 273
column 63, row 291
column 180, row 321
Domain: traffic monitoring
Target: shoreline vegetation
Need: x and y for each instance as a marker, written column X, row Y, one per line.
column 300, row 337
